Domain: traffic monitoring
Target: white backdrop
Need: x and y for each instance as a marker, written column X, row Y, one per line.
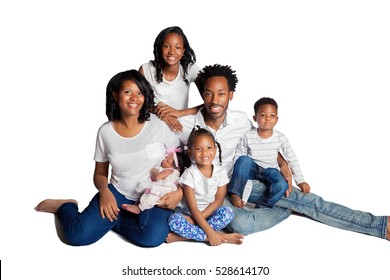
column 325, row 62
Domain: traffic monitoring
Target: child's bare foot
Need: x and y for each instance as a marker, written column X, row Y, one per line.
column 388, row 229
column 237, row 201
column 233, row 238
column 131, row 208
column 173, row 237
column 52, row 205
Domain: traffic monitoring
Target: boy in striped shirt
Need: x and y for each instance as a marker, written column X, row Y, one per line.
column 257, row 158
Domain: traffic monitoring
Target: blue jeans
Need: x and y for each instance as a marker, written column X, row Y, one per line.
column 148, row 229
column 246, row 169
column 247, row 221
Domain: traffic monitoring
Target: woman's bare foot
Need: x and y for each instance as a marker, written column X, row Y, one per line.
column 173, row 237
column 388, row 229
column 52, row 205
column 233, row 238
column 131, row 208
column 237, row 201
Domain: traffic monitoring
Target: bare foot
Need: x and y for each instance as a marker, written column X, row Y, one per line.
column 237, row 201
column 233, row 238
column 173, row 237
column 52, row 205
column 388, row 229
column 131, row 208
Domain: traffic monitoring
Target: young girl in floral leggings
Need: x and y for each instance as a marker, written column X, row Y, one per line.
column 204, row 187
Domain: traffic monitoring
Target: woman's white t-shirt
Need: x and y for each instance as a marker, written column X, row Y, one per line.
column 132, row 158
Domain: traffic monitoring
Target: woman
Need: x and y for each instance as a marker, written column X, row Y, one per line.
column 132, row 142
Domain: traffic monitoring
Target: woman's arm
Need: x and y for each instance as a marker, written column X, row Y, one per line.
column 107, row 202
column 170, row 200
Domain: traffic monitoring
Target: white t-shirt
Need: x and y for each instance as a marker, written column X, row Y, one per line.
column 204, row 188
column 173, row 93
column 229, row 134
column 132, row 158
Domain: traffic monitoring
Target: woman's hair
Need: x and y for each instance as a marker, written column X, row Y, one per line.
column 186, row 61
column 197, row 131
column 216, row 70
column 115, row 85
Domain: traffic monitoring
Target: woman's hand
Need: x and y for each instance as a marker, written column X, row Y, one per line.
column 107, row 204
column 170, row 200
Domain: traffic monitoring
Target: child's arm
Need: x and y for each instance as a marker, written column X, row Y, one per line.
column 169, row 115
column 218, row 201
column 286, row 172
column 160, row 175
column 166, row 110
column 213, row 237
column 294, row 164
column 305, row 187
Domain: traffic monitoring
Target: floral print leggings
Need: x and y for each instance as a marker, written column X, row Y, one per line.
column 218, row 220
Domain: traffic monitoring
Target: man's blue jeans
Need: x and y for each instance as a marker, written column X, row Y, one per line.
column 148, row 229
column 246, row 169
column 247, row 221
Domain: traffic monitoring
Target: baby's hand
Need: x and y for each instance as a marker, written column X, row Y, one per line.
column 305, row 188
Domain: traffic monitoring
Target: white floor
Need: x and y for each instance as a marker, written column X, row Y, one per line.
column 297, row 248
column 325, row 62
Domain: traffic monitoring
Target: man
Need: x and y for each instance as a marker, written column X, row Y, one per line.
column 217, row 86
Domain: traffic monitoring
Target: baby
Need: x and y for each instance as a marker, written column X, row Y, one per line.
column 162, row 180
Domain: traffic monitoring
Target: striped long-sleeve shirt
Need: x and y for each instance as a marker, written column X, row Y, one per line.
column 265, row 151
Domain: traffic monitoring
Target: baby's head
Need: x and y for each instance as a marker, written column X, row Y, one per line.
column 171, row 160
column 168, row 161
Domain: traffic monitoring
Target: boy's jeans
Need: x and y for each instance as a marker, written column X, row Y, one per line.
column 246, row 169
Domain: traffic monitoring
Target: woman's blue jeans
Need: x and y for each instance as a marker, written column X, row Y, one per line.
column 246, row 169
column 148, row 229
column 247, row 221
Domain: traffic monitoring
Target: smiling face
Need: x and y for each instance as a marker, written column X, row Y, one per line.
column 203, row 150
column 129, row 99
column 266, row 117
column 216, row 97
column 172, row 49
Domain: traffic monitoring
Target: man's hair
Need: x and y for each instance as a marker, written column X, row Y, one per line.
column 216, row 70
